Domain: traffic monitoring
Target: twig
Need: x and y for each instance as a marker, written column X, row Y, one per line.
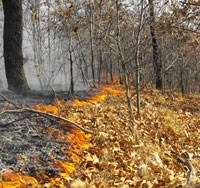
column 187, row 163
column 22, row 110
column 6, row 124
column 8, row 100
column 45, row 114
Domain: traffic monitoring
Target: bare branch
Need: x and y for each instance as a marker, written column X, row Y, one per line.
column 23, row 110
column 45, row 114
column 187, row 163
column 8, row 100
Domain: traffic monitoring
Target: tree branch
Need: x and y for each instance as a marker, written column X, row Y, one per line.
column 187, row 163
column 45, row 114
column 23, row 110
column 8, row 100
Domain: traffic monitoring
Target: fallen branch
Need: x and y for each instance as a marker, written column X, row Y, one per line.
column 45, row 114
column 187, row 163
column 25, row 109
column 8, row 100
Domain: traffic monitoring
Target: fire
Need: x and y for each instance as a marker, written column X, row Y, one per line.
column 68, row 168
column 76, row 138
column 16, row 180
column 102, row 96
column 112, row 91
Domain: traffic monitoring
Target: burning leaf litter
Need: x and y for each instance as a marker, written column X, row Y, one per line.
column 37, row 151
column 119, row 155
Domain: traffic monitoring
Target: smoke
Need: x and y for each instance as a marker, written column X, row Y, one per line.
column 40, row 73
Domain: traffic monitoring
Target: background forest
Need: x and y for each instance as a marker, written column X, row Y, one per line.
column 71, row 45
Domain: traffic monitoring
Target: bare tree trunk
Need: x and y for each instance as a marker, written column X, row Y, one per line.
column 35, row 54
column 100, row 62
column 71, row 67
column 13, row 46
column 92, row 43
column 82, row 59
column 50, row 76
column 121, row 57
column 137, row 58
column 156, row 60
column 100, row 44
column 182, row 82
column 111, row 66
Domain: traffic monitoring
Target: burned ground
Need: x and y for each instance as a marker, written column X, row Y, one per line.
column 27, row 146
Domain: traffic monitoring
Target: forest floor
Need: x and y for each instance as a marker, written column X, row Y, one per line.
column 160, row 147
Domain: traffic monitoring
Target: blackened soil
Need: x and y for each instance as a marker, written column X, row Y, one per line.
column 27, row 146
column 25, row 143
column 45, row 97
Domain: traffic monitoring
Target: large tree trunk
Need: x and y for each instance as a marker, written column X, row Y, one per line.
column 13, row 46
column 156, row 60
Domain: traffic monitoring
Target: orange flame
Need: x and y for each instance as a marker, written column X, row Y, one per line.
column 78, row 140
column 102, row 96
column 68, row 168
column 15, row 180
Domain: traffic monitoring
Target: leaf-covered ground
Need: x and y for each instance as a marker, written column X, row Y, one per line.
column 158, row 148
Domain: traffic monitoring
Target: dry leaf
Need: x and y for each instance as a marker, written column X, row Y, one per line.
column 78, row 184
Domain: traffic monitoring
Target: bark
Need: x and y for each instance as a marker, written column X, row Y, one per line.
column 50, row 76
column 92, row 44
column 182, row 83
column 85, row 65
column 156, row 60
column 71, row 67
column 111, row 66
column 13, row 46
column 137, row 57
column 100, row 43
column 100, row 62
column 37, row 44
column 122, row 60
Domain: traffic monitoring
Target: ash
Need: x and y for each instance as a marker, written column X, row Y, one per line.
column 26, row 145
